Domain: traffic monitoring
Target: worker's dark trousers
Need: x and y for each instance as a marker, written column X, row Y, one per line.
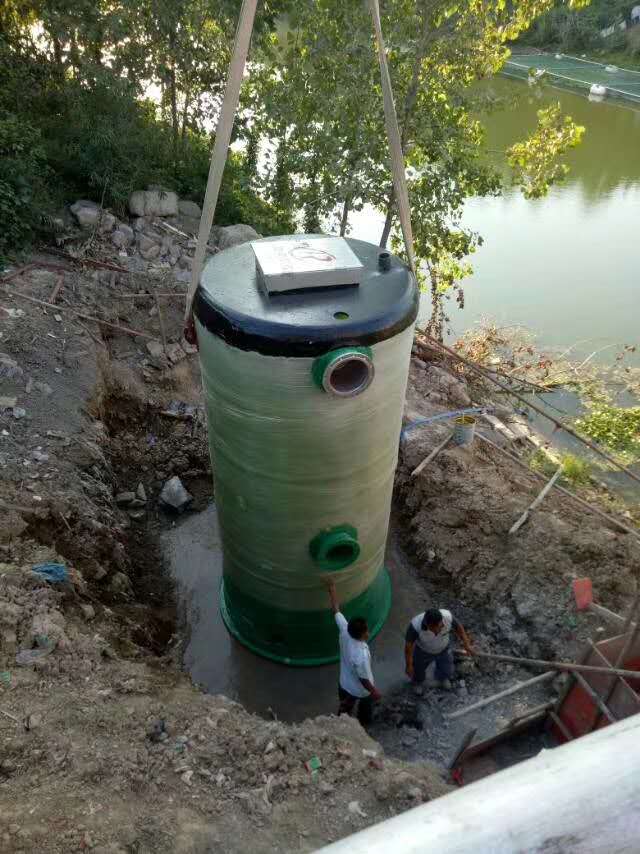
column 348, row 705
column 421, row 660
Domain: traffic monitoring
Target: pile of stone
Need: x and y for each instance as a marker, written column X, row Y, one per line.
column 161, row 233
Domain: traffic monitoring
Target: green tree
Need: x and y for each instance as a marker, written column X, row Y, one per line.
column 319, row 89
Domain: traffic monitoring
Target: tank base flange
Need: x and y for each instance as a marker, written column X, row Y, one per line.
column 299, row 638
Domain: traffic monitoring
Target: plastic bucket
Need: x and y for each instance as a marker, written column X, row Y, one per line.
column 464, row 429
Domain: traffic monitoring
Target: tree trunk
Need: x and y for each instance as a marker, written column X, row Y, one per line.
column 57, row 55
column 388, row 222
column 185, row 117
column 174, row 115
column 344, row 220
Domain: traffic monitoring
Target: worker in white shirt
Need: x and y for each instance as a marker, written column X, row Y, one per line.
column 356, row 679
column 428, row 639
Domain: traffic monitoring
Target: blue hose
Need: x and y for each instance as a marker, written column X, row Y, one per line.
column 473, row 410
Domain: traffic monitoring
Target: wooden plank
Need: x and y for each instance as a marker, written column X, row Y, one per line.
column 559, row 665
column 537, row 501
column 597, row 699
column 464, row 744
column 434, row 453
column 618, row 680
column 499, row 426
column 528, row 713
column 610, row 616
column 561, row 726
column 519, row 686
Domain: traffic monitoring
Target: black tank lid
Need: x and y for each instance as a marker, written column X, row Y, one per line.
column 231, row 304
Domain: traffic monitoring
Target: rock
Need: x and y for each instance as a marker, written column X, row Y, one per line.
column 87, row 213
column 174, row 496
column 88, row 612
column 153, row 202
column 9, row 368
column 186, row 777
column 414, row 793
column 326, row 788
column 39, row 456
column 458, row 395
column 107, row 222
column 187, row 208
column 43, row 388
column 175, row 353
column 123, row 236
column 185, row 262
column 273, row 761
column 234, row 235
column 168, row 247
column 148, row 248
column 140, row 224
column 189, row 349
column 7, row 402
column 140, row 492
column 19, row 412
column 120, row 583
column 32, row 721
column 136, row 515
column 148, row 239
column 123, row 498
column 183, row 276
column 156, row 350
column 355, row 808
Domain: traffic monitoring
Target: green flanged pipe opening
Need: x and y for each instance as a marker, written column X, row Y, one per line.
column 346, row 372
column 336, row 548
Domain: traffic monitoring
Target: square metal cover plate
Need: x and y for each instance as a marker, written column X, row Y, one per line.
column 300, row 265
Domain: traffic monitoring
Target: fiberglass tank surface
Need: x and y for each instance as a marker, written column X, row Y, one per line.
column 304, row 395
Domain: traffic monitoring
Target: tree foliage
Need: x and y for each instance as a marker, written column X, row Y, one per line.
column 311, row 111
column 535, row 163
column 102, row 98
column 317, row 92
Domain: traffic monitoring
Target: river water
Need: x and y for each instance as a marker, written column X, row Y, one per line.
column 567, row 266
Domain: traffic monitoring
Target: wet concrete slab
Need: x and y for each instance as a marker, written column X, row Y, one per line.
column 220, row 664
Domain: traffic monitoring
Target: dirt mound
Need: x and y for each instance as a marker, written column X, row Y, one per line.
column 138, row 760
column 457, row 515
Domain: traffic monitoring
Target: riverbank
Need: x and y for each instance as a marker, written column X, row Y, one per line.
column 107, row 745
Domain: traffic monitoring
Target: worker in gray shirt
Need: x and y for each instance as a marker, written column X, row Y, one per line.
column 428, row 639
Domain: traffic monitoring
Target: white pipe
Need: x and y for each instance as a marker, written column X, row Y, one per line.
column 578, row 798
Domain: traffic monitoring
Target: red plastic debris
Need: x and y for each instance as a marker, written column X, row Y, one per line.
column 583, row 593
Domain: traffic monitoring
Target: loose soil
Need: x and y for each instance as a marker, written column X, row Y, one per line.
column 106, row 744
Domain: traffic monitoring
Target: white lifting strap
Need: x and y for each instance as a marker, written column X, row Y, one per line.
column 225, row 126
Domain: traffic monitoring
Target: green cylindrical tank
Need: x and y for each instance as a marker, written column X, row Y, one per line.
column 304, row 392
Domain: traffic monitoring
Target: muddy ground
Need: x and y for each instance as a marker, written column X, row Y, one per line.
column 105, row 743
